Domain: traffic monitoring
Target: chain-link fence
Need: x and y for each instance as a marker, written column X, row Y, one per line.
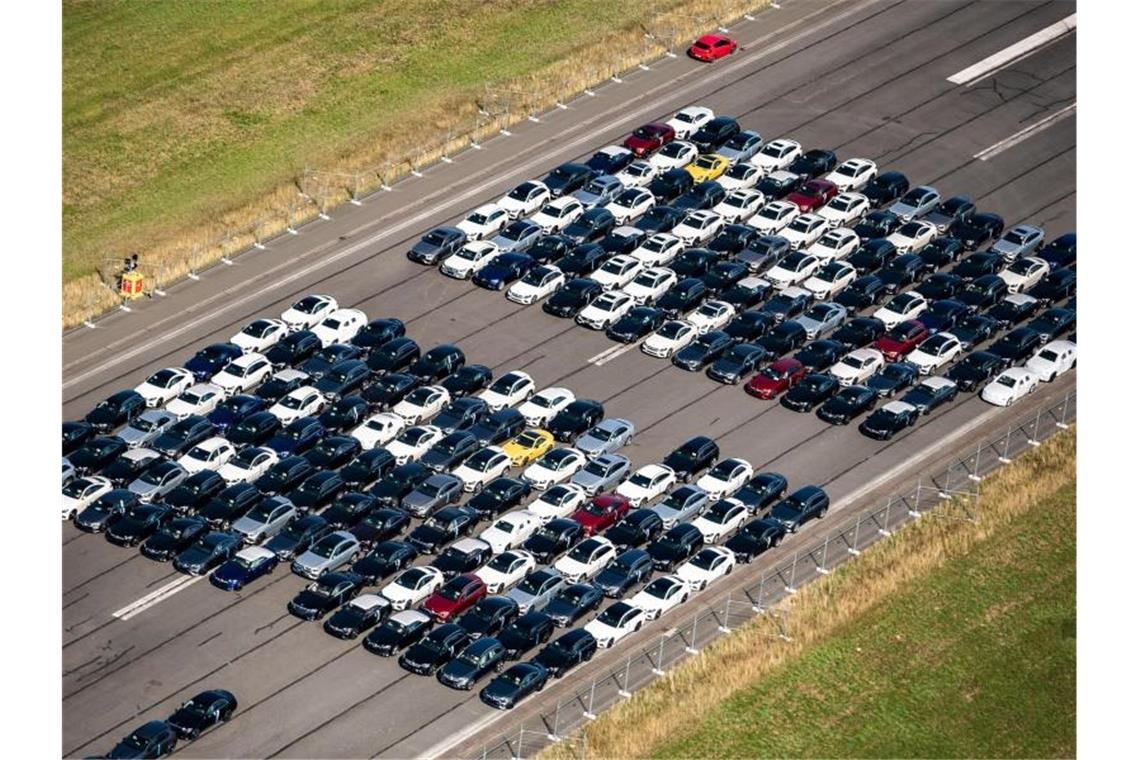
column 949, row 493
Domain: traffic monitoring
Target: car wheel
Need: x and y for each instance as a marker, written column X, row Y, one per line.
column 822, row 512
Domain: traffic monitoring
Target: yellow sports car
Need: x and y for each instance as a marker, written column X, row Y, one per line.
column 528, row 446
column 708, row 166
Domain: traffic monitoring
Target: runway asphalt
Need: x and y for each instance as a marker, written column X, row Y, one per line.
column 865, row 79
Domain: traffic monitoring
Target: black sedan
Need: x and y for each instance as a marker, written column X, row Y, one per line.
column 284, row 476
column 863, row 291
column 138, row 524
column 379, row 332
column 501, row 426
column 975, row 369
column 173, row 538
column 298, row 536
column 402, row 630
column 804, row 504
column 391, row 389
column 636, row 324
column 978, row 229
column 554, row 539
column 810, row 392
column 703, row 351
column 692, row 457
column 889, row 420
column 893, row 378
column 203, row 712
column 207, row 552
column 498, row 496
column 489, row 616
column 637, row 528
column 333, row 452
column 325, row 594
column 675, row 546
column 750, row 326
column 569, row 650
column 393, row 356
column 818, row 355
column 97, row 454
column 468, row 380
column 207, row 361
column 761, row 491
column 358, row 616
column 526, row 633
column 576, row 418
column 400, row 482
column 368, row 467
column 574, row 602
column 739, row 361
column 859, row 332
column 154, row 739
column 784, row 338
column 514, row 685
column 572, row 297
column 847, row 404
column 476, row 660
column 433, row 650
column 386, row 558
column 115, row 411
column 628, row 570
column 106, row 510
column 754, row 538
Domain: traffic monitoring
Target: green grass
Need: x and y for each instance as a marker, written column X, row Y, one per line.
column 976, row 658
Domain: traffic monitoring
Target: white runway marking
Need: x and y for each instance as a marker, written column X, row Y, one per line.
column 971, row 75
column 1020, row 136
column 156, row 596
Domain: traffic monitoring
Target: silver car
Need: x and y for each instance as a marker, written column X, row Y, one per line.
column 602, row 473
column 266, row 519
column 822, row 318
column 600, row 191
column 537, row 590
column 517, row 236
column 681, row 505
column 917, row 202
column 741, row 146
column 606, row 437
column 68, row 471
column 158, row 481
column 432, row 495
column 1019, row 241
column 327, row 555
column 146, row 427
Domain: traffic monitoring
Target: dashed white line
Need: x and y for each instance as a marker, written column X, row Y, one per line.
column 610, row 354
column 159, row 594
column 1024, row 134
column 971, row 75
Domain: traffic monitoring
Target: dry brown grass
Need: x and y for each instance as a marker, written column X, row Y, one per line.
column 653, row 717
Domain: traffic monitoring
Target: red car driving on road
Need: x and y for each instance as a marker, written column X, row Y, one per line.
column 649, row 138
column 712, row 47
column 776, row 378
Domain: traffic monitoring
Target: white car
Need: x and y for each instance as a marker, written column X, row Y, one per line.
column 537, row 284
column 660, row 596
column 164, row 385
column 1054, row 358
column 773, row 216
column 482, row 467
column 412, row 586
column 553, row 467
column 858, row 366
column 508, row 390
column 778, row 154
column 725, row 478
column 200, row 398
column 378, row 429
column 561, row 500
column 1011, row 385
column 845, row 209
column 484, row 221
column 793, row 269
column 709, row 564
column 853, row 174
column 721, row 520
column 210, row 454
column 605, row 310
column 647, row 484
column 525, row 199
column 900, row 308
column 658, row 249
column 650, row 284
column 588, row 558
column 260, row 335
column 422, row 403
column 838, row 243
column 82, row 493
column 308, row 312
column 511, row 530
column 1024, row 273
column 829, row 279
column 669, row 338
column 297, row 403
column 740, row 177
column 243, row 373
column 544, row 405
column 739, row 204
column 711, row 315
column 638, row 174
column 935, row 352
column 674, row 155
column 615, row 623
column 689, row 120
column 248, row 465
column 698, row 227
column 617, row 272
column 340, row 326
column 631, row 204
column 558, row 214
column 469, row 259
column 506, row 570
column 804, row 230
column 913, row 236
column 414, row 443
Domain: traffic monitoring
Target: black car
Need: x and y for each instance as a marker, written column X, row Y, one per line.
column 1013, row 310
column 255, row 429
column 476, row 660
column 550, row 249
column 554, row 539
column 859, row 332
column 704, row 195
column 940, row 285
column 976, row 368
column 893, row 378
column 489, row 616
column 931, row 394
column 623, row 239
column 877, row 224
column 724, row 275
column 975, row 329
column 572, row 297
column 575, row 418
column 982, row 293
column 566, row 178
column 173, row 537
column 953, row 209
column 154, row 739
column 1061, row 252
column 761, row 491
column 296, row 538
column 787, row 304
column 203, row 712
column 863, row 291
column 820, row 354
column 468, row 380
column 784, row 338
column 779, row 185
column 333, row 452
column 356, row 617
column 847, row 404
column 503, row 270
column 442, row 528
column 889, row 420
column 979, row 264
column 750, row 326
column 715, row 133
column 763, row 252
column 1055, row 286
column 297, row 437
column 498, row 496
column 461, row 414
column 581, row 261
column 514, row 685
column 284, row 475
column 1017, row 345
column 684, row 296
column 754, row 538
column 739, row 361
column 450, row 451
column 324, row 359
column 370, row 523
column 462, row 557
column 295, row 348
column 804, row 504
column 231, row 504
column 98, row 454
column 403, row 629
column 734, row 239
column 399, row 482
column 869, row 258
column 438, row 363
column 670, row 185
column 394, row 356
column 349, row 509
column 379, row 332
column 437, row 245
column 235, row 409
column 385, row 559
column 207, row 552
column 887, row 188
column 115, row 411
column 526, row 633
column 901, row 271
column 501, row 426
column 637, row 528
column 138, row 524
column 316, row 491
column 675, row 546
column 941, row 252
column 1054, row 323
column 814, row 163
column 367, row 468
column 280, row 385
column 105, row 511
column 661, row 218
column 942, row 315
column 574, row 602
column 207, row 361
column 810, row 392
column 75, row 434
column 978, row 229
column 594, row 224
column 325, row 594
column 703, row 351
column 126, row 467
column 746, row 293
column 693, row 263
column 569, row 650
column 636, row 324
column 629, row 569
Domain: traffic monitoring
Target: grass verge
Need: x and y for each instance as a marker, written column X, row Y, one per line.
column 949, row 639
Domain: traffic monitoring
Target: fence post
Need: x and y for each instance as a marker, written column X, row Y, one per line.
column 160, row 278
column 484, row 751
column 788, row 587
column 974, row 476
column 519, row 753
column 759, row 606
column 657, row 669
column 623, row 692
column 723, row 627
column 1004, row 458
column 446, row 146
column 589, row 714
column 1034, row 441
column 1064, row 423
column 886, row 529
column 913, row 511
column 552, row 734
column 854, row 549
column 821, row 567
column 691, row 648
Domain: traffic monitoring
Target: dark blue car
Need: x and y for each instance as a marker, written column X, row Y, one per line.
column 246, row 566
column 233, row 410
column 503, row 270
column 212, row 358
column 300, row 436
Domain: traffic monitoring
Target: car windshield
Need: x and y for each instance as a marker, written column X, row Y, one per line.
column 583, row 551
column 453, row 591
column 154, row 476
column 144, row 425
column 411, row 579
column 672, row 330
column 675, row 149
column 326, row 549
column 613, row 615
column 533, row 584
column 1007, row 381
column 641, row 480
column 704, row 560
column 295, row 401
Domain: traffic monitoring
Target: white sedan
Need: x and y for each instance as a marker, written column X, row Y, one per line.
column 913, row 236
column 210, row 454
column 553, row 467
column 804, row 230
column 298, row 403
column 773, row 216
column 739, row 204
column 711, row 315
column 412, row 586
column 260, row 334
column 902, row 307
column 651, row 284
column 422, row 403
column 740, row 177
column 853, row 174
column 200, row 398
column 793, row 269
column 506, row 570
column 778, row 154
column 308, row 312
column 674, row 155
column 658, row 249
column 248, row 465
column 698, row 227
column 617, row 272
column 660, row 596
column 830, row 279
column 587, row 559
column 638, row 174
column 561, row 500
column 508, row 390
column 615, row 623
column 725, row 478
column 558, row 214
column 689, row 120
column 858, row 366
column 721, row 520
column 164, row 385
column 340, row 326
column 243, row 373
column 1013, row 384
column 605, row 310
column 473, row 256
column 669, row 338
column 537, row 284
column 414, row 443
column 631, row 204
column 511, row 530
column 838, row 243
column 482, row 467
column 1024, row 273
column 378, row 429
column 82, row 493
column 544, row 405
column 525, row 199
column 935, row 352
column 484, row 221
column 845, row 209
column 647, row 484
column 709, row 564
column 1054, row 358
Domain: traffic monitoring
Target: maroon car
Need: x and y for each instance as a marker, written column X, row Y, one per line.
column 813, row 194
column 455, row 596
column 776, row 378
column 649, row 138
column 901, row 339
column 603, row 511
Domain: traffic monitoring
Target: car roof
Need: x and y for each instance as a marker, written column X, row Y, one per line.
column 938, row 382
column 407, row 617
column 255, row 552
column 369, row 601
column 468, row 545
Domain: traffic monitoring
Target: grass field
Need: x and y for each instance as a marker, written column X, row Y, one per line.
column 182, row 119
column 950, row 639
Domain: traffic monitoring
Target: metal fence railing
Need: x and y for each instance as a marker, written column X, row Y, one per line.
column 952, row 491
